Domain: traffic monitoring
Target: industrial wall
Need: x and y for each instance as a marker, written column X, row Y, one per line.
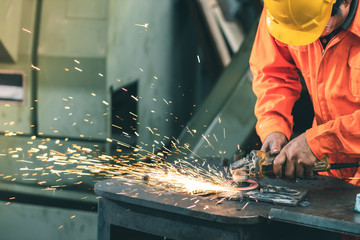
column 84, row 62
column 152, row 44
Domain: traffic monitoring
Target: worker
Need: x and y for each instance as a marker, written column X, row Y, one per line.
column 321, row 40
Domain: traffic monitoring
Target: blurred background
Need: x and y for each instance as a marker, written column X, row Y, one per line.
column 83, row 80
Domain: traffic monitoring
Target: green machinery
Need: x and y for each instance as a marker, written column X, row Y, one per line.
column 76, row 57
column 224, row 124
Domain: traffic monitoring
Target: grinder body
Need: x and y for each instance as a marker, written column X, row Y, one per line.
column 259, row 164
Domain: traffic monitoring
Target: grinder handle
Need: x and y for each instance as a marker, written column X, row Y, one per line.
column 266, row 164
column 322, row 165
column 325, row 165
column 265, row 159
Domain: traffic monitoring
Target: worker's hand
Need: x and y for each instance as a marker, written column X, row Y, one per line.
column 295, row 159
column 274, row 142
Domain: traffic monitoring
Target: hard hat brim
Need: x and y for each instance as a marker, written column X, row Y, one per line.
column 296, row 35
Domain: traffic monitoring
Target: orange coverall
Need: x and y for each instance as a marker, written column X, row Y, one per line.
column 332, row 76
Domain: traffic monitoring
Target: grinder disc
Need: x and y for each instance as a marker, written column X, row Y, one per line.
column 244, row 186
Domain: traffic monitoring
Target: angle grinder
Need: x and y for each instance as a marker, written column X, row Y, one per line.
column 259, row 164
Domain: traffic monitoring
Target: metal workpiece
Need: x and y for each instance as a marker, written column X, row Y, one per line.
column 329, row 208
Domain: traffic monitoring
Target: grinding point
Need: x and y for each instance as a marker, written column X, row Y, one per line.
column 251, row 185
column 146, row 179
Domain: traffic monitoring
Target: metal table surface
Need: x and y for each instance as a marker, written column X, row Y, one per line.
column 331, row 204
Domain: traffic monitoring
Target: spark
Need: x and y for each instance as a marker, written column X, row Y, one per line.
column 189, row 131
column 86, row 149
column 207, row 141
column 106, row 103
column 135, row 98
column 133, row 114
column 220, row 201
column 150, row 130
column 215, row 137
column 198, row 58
column 244, row 206
column 25, row 161
column 145, row 25
column 78, row 69
column 78, row 62
column 116, row 126
column 181, row 176
column 35, row 68
column 26, row 30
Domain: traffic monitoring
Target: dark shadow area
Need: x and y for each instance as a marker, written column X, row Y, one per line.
column 303, row 112
column 76, row 204
column 117, row 232
column 124, row 113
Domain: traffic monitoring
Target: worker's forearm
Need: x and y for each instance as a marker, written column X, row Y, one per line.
column 276, row 83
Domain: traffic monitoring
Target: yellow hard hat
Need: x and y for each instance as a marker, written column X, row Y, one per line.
column 297, row 22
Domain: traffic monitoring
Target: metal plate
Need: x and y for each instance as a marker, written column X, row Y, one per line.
column 277, row 195
column 331, row 201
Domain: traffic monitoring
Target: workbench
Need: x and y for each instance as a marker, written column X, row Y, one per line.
column 138, row 211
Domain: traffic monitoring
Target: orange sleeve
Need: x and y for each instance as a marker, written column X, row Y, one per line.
column 341, row 135
column 276, row 83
